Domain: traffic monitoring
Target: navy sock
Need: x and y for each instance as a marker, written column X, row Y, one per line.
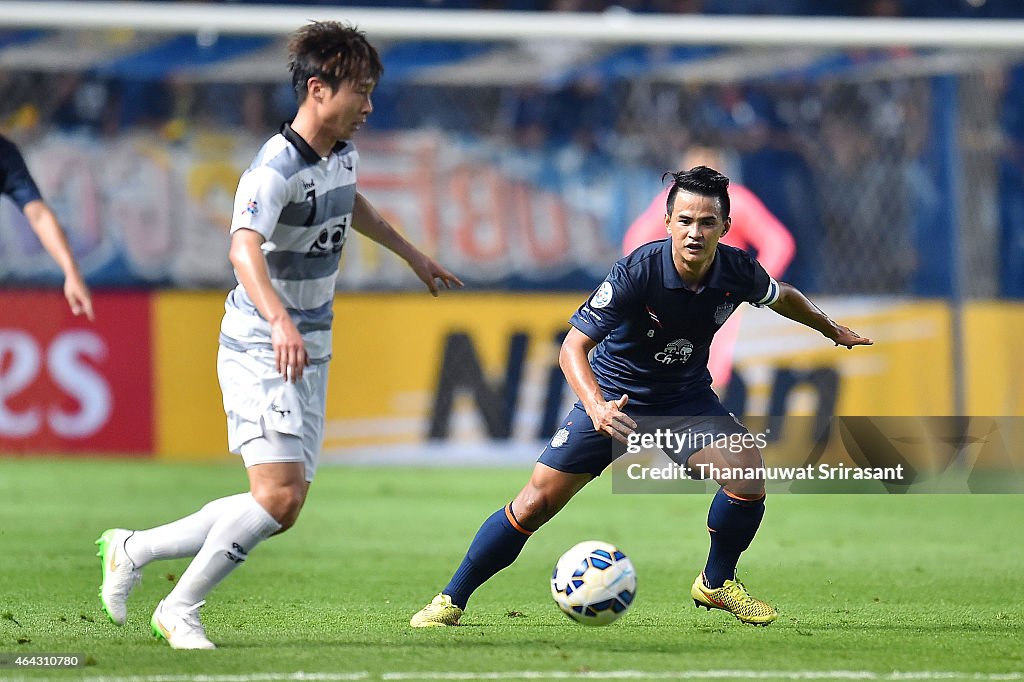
column 496, row 545
column 732, row 523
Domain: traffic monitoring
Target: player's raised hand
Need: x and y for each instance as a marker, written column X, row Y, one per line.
column 430, row 272
column 289, row 350
column 610, row 420
column 844, row 336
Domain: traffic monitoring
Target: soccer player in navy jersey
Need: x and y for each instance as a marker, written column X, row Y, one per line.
column 650, row 325
column 294, row 207
column 17, row 183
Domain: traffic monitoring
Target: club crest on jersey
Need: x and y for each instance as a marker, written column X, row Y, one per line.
column 252, row 208
column 723, row 312
column 560, row 438
column 679, row 350
column 603, row 296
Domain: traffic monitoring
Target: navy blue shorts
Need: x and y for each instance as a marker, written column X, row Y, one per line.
column 576, row 448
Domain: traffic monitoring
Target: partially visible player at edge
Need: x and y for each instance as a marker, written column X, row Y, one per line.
column 17, row 183
column 293, row 210
column 650, row 324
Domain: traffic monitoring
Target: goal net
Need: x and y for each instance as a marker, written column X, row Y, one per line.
column 885, row 149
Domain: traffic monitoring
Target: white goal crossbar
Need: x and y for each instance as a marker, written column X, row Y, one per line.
column 610, row 27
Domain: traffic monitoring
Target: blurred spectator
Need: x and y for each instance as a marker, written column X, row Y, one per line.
column 864, row 198
column 85, row 104
column 584, row 104
column 773, row 167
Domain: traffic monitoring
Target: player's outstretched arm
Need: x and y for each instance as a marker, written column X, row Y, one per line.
column 794, row 305
column 366, row 220
column 51, row 236
column 607, row 415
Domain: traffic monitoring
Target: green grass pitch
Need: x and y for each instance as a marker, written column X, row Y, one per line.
column 865, row 583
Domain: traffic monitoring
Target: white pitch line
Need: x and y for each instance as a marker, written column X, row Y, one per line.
column 250, row 677
column 562, row 675
column 706, row 675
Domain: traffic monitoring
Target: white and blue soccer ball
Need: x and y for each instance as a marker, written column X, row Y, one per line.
column 594, row 583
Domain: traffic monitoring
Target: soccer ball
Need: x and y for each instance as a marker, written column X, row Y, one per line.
column 594, row 583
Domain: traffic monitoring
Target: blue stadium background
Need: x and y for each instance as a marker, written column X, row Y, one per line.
column 573, row 127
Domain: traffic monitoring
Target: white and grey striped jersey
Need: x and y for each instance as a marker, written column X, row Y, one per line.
column 302, row 205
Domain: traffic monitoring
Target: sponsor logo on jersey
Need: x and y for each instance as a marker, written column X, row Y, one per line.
column 252, row 208
column 602, row 297
column 679, row 350
column 723, row 312
column 330, row 240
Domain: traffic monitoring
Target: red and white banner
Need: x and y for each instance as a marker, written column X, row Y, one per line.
column 144, row 214
column 68, row 385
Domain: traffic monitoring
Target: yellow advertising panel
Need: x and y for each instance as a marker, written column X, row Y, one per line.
column 994, row 363
column 907, row 372
column 467, row 370
column 190, row 421
column 390, row 349
column 387, row 350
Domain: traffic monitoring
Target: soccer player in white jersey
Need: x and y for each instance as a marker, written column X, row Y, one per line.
column 293, row 210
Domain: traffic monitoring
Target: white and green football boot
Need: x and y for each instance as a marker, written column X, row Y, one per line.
column 119, row 574
column 182, row 629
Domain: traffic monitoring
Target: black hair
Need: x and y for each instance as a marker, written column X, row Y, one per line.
column 334, row 52
column 707, row 182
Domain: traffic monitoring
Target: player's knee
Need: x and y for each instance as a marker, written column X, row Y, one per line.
column 750, row 483
column 533, row 507
column 741, row 472
column 283, row 503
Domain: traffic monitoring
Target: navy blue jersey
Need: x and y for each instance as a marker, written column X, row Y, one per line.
column 15, row 180
column 653, row 333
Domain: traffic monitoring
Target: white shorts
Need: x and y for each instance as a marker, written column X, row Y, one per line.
column 258, row 400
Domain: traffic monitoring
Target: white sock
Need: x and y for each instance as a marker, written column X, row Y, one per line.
column 179, row 538
column 239, row 529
